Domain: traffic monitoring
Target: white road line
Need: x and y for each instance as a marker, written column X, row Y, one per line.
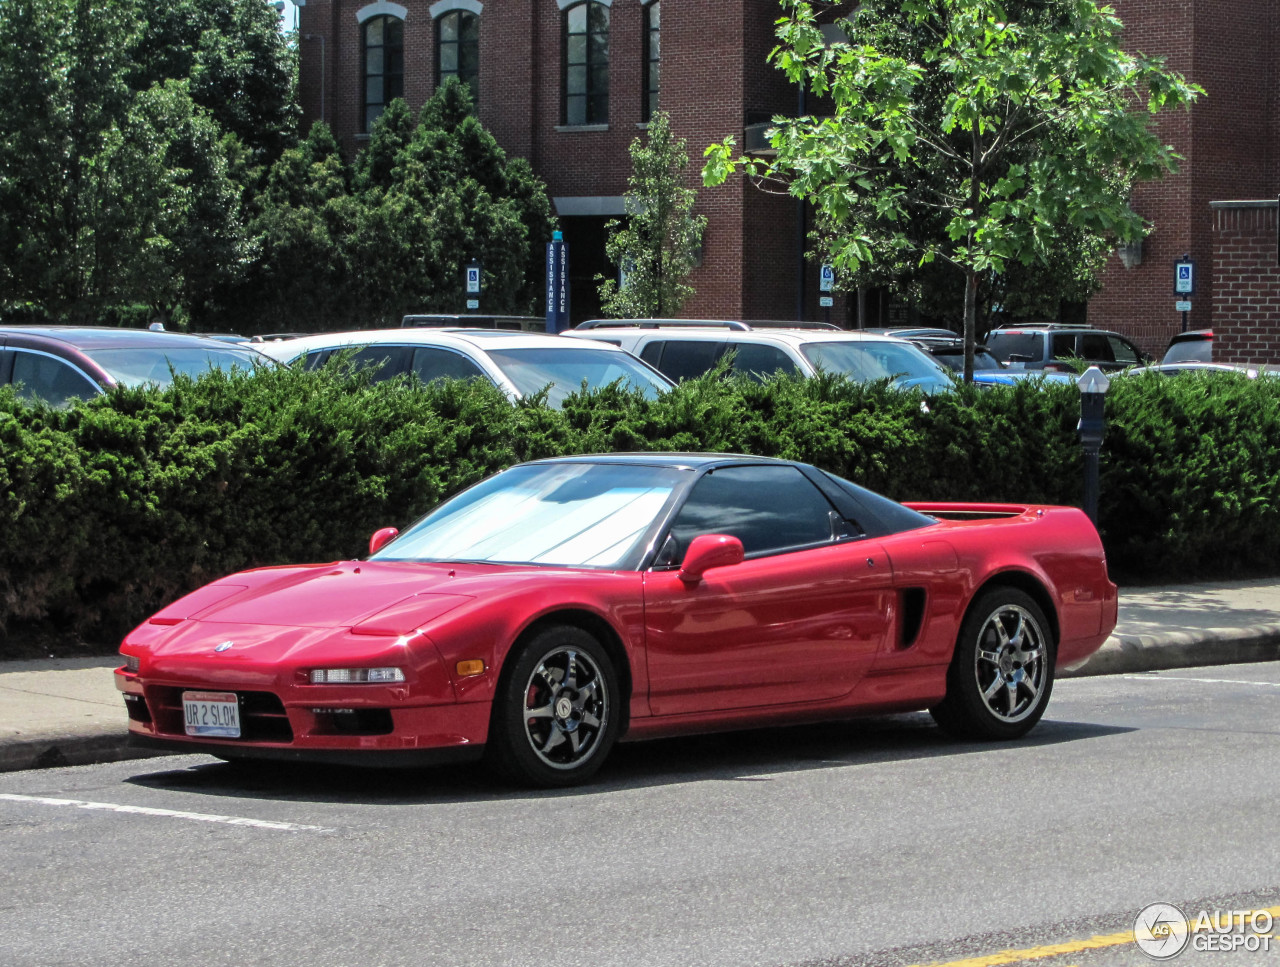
column 1206, row 681
column 168, row 813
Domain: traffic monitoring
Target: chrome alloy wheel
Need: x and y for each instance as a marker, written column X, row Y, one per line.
column 566, row 708
column 1011, row 663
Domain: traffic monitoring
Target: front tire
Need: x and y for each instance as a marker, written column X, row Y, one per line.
column 1001, row 674
column 556, row 713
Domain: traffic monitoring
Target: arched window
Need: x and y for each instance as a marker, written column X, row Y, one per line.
column 458, row 49
column 586, row 63
column 383, row 65
column 652, row 59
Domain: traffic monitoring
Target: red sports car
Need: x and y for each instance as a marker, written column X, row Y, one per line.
column 563, row 605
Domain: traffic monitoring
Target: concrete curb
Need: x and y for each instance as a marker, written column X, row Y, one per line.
column 54, row 752
column 1124, row 654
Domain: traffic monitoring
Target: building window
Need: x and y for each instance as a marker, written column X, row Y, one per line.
column 586, row 63
column 383, row 65
column 458, row 49
column 652, row 58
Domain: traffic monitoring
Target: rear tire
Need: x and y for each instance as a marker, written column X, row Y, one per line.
column 1001, row 674
column 557, row 710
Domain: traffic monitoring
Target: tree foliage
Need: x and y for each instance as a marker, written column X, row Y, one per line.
column 658, row 246
column 975, row 133
column 361, row 245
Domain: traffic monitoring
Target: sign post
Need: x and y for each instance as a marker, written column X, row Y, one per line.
column 1184, row 286
column 826, row 283
column 557, row 283
column 474, row 271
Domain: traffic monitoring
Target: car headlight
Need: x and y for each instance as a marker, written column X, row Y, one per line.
column 353, row 676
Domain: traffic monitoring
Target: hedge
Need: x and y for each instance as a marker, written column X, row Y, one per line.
column 112, row 508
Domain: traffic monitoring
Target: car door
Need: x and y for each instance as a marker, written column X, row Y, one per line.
column 799, row 620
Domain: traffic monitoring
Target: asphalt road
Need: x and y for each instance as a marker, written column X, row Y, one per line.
column 873, row 843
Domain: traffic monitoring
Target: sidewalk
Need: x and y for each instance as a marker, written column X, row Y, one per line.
column 67, row 711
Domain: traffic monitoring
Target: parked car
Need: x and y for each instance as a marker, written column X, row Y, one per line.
column 915, row 332
column 58, row 364
column 949, row 350
column 562, row 605
column 1056, row 347
column 1194, row 346
column 519, row 364
column 686, row 352
column 738, row 324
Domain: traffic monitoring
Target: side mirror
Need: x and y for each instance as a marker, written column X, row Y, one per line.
column 707, row 551
column 381, row 538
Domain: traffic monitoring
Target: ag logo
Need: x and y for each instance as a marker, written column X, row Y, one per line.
column 1161, row 931
column 223, row 647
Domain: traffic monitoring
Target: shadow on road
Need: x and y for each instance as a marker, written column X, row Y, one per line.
column 757, row 755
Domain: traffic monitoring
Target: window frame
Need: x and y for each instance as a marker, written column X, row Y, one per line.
column 595, row 97
column 652, row 34
column 441, row 74
column 383, row 20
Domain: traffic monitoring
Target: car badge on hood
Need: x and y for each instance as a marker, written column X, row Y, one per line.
column 223, row 647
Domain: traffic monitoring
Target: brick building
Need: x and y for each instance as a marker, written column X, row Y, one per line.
column 568, row 84
column 1230, row 143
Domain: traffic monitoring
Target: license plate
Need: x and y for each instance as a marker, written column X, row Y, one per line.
column 212, row 713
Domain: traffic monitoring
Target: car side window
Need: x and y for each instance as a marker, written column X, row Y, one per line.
column 758, row 361
column 431, row 363
column 1095, row 346
column 1123, row 351
column 1064, row 345
column 387, row 361
column 769, row 509
column 42, row 377
column 652, row 353
column 686, row 359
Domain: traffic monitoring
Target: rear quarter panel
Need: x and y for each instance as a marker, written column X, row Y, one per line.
column 1057, row 547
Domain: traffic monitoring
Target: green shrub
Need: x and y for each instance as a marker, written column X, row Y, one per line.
column 114, row 507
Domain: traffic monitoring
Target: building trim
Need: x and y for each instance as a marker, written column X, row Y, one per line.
column 566, row 4
column 1262, row 203
column 441, row 7
column 596, row 205
column 382, row 8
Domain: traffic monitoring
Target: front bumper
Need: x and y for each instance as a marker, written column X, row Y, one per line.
column 300, row 723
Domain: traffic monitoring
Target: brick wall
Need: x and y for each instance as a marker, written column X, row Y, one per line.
column 1246, row 302
column 1229, row 146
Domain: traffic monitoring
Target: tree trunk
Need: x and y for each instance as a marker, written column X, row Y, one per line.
column 970, row 320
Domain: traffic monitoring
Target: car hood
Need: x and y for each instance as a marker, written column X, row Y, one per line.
column 374, row 598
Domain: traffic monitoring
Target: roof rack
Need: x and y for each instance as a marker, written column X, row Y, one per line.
column 663, row 324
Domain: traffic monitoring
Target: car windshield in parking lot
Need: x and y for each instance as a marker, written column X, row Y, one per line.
column 152, row 366
column 564, row 370
column 867, row 361
column 563, row 514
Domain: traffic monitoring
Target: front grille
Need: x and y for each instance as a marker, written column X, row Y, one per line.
column 136, row 706
column 352, row 721
column 262, row 715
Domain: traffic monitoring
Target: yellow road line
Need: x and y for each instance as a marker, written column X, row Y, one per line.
column 1059, row 949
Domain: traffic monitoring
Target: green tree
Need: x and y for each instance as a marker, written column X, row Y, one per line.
column 966, row 131
column 240, row 67
column 658, row 246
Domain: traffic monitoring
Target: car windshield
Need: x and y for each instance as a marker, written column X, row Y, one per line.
column 559, row 514
column 867, row 361
column 564, row 370
column 156, row 365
